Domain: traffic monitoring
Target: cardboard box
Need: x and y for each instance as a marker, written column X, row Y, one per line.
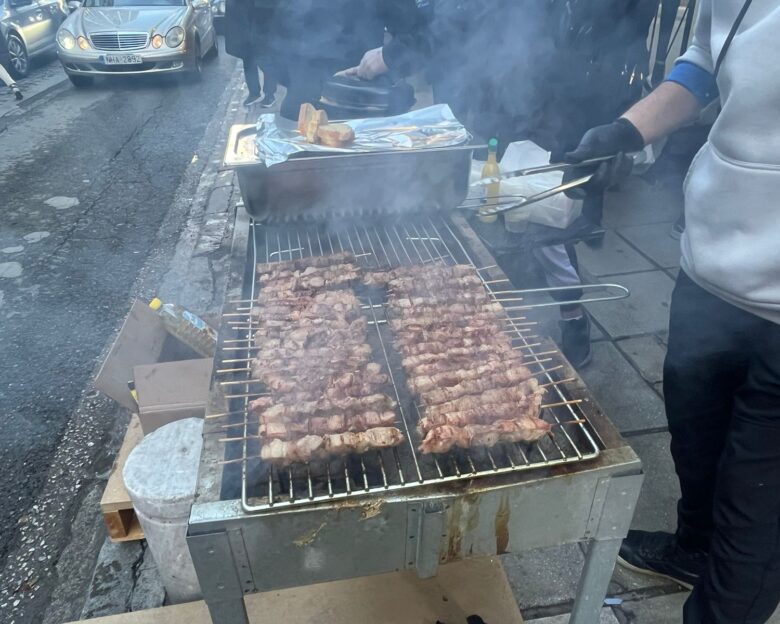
column 174, row 380
column 170, row 391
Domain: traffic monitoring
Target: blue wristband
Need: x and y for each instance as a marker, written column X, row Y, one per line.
column 698, row 81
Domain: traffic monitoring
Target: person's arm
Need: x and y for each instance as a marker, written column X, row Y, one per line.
column 670, row 107
column 408, row 45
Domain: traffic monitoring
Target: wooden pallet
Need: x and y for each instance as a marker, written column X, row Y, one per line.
column 118, row 513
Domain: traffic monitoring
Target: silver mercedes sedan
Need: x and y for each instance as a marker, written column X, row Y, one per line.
column 110, row 37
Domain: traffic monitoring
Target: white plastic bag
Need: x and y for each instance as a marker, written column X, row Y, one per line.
column 557, row 211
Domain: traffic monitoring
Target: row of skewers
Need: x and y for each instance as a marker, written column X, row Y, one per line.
column 325, row 394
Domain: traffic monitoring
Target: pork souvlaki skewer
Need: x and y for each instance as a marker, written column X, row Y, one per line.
column 443, row 439
column 527, row 391
column 314, row 447
column 321, row 425
column 302, row 263
column 447, row 378
column 269, row 411
column 506, row 379
column 484, row 414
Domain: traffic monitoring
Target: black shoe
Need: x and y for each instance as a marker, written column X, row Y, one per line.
column 268, row 101
column 17, row 93
column 575, row 340
column 678, row 228
column 659, row 554
column 252, row 99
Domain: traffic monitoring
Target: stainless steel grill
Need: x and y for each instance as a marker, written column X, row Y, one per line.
column 393, row 243
column 117, row 42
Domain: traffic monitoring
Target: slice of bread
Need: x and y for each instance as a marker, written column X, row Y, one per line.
column 319, row 118
column 336, row 135
column 305, row 113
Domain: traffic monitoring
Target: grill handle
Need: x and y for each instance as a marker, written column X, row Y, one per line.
column 622, row 293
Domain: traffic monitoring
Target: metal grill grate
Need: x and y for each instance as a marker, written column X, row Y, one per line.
column 114, row 42
column 403, row 242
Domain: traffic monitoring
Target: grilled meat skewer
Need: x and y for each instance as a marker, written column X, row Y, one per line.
column 313, row 447
column 302, row 263
column 321, row 425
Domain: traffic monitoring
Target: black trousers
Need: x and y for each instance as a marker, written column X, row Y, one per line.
column 722, row 393
column 252, row 77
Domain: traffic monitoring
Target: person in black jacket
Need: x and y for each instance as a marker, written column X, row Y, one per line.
column 248, row 36
column 5, row 77
column 540, row 70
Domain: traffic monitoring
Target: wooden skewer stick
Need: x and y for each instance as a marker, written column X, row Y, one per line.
column 223, row 415
column 539, row 353
column 539, row 361
column 562, row 403
column 241, row 439
column 556, row 383
column 547, row 370
column 223, row 371
column 237, row 461
column 239, row 382
column 247, row 395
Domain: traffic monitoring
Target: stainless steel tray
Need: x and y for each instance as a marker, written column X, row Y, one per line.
column 343, row 185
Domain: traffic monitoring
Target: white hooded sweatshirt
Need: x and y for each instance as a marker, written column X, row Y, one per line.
column 731, row 244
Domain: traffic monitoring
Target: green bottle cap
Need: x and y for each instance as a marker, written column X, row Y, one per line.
column 493, row 145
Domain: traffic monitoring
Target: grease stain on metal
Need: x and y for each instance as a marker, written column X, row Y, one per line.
column 501, row 525
column 371, row 509
column 455, row 536
column 308, row 537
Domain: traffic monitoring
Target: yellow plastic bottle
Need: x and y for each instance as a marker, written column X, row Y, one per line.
column 490, row 170
column 187, row 327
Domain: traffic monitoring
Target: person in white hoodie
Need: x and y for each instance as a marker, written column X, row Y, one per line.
column 722, row 369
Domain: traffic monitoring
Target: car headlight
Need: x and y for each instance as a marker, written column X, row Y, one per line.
column 174, row 37
column 65, row 39
column 83, row 43
column 157, row 42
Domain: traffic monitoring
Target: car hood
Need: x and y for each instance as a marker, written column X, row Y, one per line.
column 146, row 19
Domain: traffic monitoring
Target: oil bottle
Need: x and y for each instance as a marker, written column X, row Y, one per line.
column 187, row 327
column 490, row 170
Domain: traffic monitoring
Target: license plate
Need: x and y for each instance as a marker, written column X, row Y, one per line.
column 123, row 59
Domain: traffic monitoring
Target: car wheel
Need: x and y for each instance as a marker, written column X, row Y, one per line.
column 196, row 73
column 17, row 52
column 81, row 82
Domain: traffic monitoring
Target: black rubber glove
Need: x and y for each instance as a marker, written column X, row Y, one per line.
column 618, row 139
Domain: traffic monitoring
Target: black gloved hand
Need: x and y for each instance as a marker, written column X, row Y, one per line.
column 618, row 139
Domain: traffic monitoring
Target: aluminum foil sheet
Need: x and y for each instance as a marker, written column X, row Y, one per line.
column 434, row 126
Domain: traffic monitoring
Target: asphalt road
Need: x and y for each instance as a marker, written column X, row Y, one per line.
column 86, row 179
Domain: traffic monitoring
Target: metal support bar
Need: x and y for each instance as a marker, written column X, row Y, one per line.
column 429, row 538
column 613, row 508
column 218, row 576
column 592, row 588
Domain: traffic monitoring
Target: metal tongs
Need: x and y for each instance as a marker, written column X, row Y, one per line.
column 495, row 205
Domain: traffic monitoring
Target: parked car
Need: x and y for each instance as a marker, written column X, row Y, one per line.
column 218, row 12
column 109, row 37
column 30, row 28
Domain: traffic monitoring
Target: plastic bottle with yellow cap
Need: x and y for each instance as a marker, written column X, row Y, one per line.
column 187, row 327
column 490, row 170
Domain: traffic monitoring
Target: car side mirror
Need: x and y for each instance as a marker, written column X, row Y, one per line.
column 74, row 4
column 200, row 4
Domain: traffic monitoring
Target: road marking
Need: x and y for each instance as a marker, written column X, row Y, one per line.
column 10, row 269
column 62, row 203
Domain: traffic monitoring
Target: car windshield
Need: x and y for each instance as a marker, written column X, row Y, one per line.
column 133, row 3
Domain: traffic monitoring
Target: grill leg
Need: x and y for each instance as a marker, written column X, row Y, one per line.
column 592, row 589
column 228, row 611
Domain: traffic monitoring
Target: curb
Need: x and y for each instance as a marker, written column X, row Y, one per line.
column 29, row 101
